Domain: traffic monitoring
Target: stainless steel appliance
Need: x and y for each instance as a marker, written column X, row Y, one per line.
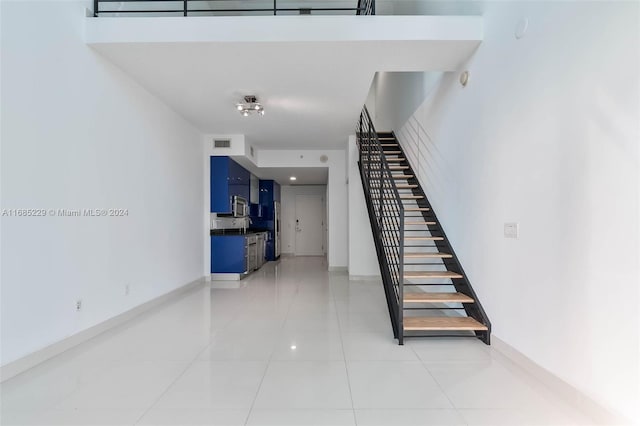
column 276, row 221
column 228, row 222
column 261, row 246
column 239, row 206
column 252, row 252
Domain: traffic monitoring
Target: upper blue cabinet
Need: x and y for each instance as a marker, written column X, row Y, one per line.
column 228, row 178
column 269, row 192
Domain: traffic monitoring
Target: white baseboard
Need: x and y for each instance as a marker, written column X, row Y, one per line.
column 21, row 365
column 569, row 393
column 364, row 277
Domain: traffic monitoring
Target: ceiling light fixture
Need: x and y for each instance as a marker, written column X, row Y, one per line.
column 292, row 178
column 249, row 106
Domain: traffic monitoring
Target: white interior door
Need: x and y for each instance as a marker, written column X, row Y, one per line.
column 309, row 225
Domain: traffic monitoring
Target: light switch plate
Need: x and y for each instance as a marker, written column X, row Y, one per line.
column 511, row 230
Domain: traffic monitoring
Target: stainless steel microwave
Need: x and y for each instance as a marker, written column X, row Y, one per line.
column 239, row 206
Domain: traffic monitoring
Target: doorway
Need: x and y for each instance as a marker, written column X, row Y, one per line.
column 309, row 225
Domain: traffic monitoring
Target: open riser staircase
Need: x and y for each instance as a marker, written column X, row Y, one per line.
column 428, row 293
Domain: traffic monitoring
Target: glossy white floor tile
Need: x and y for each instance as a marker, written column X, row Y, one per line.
column 194, row 417
column 305, row 384
column 370, row 346
column 215, row 384
column 489, row 385
column 531, row 416
column 124, row 386
column 400, row 384
column 450, row 350
column 85, row 417
column 246, row 346
column 290, row 345
column 309, row 346
column 409, row 417
column 301, row 418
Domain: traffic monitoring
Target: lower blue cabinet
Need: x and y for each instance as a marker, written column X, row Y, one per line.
column 270, row 250
column 228, row 254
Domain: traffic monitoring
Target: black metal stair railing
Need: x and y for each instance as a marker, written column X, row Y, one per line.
column 220, row 7
column 386, row 217
column 366, row 7
column 386, row 210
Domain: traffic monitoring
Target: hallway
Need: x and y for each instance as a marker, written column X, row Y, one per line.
column 290, row 345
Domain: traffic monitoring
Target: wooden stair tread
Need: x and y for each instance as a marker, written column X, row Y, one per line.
column 425, row 238
column 436, row 298
column 431, row 274
column 442, row 323
column 417, row 223
column 417, row 209
column 405, row 186
column 428, row 255
column 388, row 144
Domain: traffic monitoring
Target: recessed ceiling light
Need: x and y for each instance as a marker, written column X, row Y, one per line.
column 292, row 178
column 293, row 347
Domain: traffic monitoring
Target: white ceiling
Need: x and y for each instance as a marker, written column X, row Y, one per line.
column 304, row 175
column 312, row 91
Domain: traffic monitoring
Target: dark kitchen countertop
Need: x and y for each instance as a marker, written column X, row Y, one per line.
column 235, row 232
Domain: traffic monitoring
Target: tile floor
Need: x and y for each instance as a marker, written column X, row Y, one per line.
column 290, row 345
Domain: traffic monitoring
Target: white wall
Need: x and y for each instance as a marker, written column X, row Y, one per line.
column 545, row 134
column 398, row 95
column 363, row 260
column 337, row 203
column 288, row 219
column 79, row 133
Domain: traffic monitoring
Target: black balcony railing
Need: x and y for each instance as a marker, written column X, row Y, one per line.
column 226, row 8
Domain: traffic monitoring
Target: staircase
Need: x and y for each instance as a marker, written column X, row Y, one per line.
column 428, row 293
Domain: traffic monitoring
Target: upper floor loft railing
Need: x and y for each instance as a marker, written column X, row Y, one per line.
column 119, row 8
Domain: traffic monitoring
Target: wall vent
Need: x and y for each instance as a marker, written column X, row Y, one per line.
column 222, row 143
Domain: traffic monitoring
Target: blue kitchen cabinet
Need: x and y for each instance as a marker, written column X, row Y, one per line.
column 276, row 191
column 228, row 254
column 228, row 178
column 269, row 192
column 270, row 248
column 239, row 180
